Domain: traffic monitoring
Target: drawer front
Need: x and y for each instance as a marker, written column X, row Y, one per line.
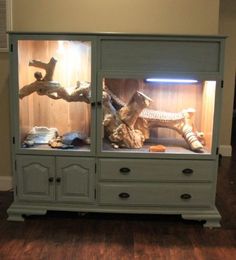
column 164, row 55
column 156, row 170
column 165, row 194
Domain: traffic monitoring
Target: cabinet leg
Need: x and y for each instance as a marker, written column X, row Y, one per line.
column 212, row 218
column 17, row 211
column 212, row 223
column 82, row 214
column 15, row 217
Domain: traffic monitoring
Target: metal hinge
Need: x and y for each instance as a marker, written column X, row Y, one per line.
column 15, row 165
column 95, row 193
column 95, row 168
column 222, row 84
column 217, row 150
column 13, row 140
column 11, row 47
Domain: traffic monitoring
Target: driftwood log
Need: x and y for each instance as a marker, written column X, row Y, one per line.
column 46, row 86
column 127, row 126
column 119, row 125
column 130, row 112
column 182, row 122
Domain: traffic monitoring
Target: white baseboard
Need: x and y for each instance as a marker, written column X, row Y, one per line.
column 5, row 183
column 225, row 150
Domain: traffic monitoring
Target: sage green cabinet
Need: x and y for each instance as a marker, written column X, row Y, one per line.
column 45, row 178
column 99, row 172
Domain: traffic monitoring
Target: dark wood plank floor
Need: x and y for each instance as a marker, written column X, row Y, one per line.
column 61, row 235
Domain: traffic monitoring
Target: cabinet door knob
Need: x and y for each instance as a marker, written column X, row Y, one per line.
column 185, row 196
column 99, row 103
column 50, row 179
column 187, row 171
column 58, row 180
column 93, row 104
column 124, row 195
column 124, row 170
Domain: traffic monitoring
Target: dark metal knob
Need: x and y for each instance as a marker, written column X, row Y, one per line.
column 124, row 195
column 187, row 171
column 124, row 170
column 185, row 196
column 58, row 179
column 93, row 104
column 99, row 103
column 50, row 179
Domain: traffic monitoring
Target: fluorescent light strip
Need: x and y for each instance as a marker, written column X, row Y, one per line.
column 171, row 80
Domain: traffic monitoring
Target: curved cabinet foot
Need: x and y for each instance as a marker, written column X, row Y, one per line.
column 15, row 217
column 82, row 214
column 212, row 223
column 212, row 218
column 16, row 212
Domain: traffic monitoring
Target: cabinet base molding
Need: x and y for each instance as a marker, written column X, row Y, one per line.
column 17, row 211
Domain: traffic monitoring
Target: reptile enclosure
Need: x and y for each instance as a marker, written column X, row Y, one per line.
column 115, row 123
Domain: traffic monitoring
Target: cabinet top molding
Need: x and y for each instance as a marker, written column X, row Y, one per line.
column 119, row 34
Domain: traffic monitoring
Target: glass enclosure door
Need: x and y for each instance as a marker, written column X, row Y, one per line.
column 54, row 94
column 157, row 115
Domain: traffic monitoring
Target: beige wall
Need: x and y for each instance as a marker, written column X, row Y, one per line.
column 227, row 26
column 5, row 166
column 155, row 16
column 135, row 16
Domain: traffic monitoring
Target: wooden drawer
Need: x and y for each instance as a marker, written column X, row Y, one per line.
column 156, row 170
column 160, row 194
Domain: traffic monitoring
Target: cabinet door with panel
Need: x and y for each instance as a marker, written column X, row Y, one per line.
column 54, row 73
column 75, row 179
column 65, row 179
column 35, row 176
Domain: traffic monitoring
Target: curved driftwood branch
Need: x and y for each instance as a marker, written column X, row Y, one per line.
column 46, row 86
column 54, row 90
column 48, row 67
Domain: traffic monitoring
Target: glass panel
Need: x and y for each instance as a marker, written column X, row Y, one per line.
column 54, row 88
column 158, row 115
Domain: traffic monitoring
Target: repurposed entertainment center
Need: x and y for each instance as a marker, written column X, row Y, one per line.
column 115, row 123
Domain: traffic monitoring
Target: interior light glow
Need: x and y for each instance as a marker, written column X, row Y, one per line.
column 171, row 80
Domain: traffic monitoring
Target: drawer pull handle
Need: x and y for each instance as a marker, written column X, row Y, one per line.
column 124, row 170
column 124, row 195
column 50, row 179
column 185, row 196
column 58, row 180
column 187, row 171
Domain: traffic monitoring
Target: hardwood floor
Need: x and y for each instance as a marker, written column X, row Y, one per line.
column 64, row 235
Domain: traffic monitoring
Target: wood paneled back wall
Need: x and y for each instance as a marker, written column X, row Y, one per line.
column 73, row 64
column 173, row 98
